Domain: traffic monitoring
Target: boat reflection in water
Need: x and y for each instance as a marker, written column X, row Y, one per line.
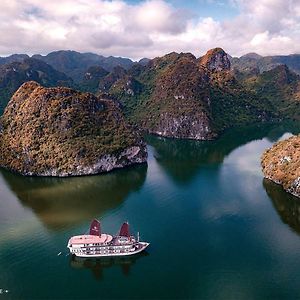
column 286, row 205
column 98, row 265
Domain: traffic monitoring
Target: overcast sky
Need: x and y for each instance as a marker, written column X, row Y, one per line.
column 136, row 29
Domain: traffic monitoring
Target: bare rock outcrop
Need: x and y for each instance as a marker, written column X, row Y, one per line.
column 215, row 60
column 281, row 164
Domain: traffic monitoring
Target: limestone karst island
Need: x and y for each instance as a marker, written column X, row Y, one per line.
column 149, row 149
column 281, row 164
column 63, row 132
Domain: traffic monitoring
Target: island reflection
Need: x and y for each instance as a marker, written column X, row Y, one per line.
column 67, row 202
column 97, row 266
column 286, row 205
column 181, row 159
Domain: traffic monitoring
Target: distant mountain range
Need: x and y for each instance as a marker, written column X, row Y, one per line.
column 14, row 74
column 75, row 64
column 176, row 95
column 253, row 62
column 59, row 68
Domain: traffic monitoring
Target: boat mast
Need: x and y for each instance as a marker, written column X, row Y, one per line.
column 138, row 236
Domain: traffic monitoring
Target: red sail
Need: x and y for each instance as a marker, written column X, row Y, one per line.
column 124, row 231
column 95, row 228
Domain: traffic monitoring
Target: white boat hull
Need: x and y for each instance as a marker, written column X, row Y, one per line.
column 143, row 246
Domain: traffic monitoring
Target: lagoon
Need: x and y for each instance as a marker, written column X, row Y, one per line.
column 217, row 229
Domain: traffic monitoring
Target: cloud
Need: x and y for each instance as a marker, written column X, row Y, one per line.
column 147, row 28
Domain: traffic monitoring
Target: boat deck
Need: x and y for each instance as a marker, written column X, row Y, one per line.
column 90, row 239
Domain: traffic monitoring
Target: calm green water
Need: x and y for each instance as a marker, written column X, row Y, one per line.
column 217, row 229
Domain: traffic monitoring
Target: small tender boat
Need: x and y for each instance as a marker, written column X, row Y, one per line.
column 98, row 244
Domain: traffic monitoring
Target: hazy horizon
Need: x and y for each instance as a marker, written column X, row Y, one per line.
column 135, row 60
column 137, row 29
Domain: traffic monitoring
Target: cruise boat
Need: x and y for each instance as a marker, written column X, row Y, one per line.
column 98, row 244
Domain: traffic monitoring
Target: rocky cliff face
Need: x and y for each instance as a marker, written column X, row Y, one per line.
column 62, row 132
column 281, row 164
column 169, row 97
column 215, row 60
column 179, row 106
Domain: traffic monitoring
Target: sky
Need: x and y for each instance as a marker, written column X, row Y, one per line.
column 150, row 28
